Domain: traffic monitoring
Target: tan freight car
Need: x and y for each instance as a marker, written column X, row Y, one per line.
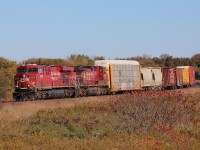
column 151, row 77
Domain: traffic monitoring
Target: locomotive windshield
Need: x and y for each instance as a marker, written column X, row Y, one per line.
column 21, row 70
column 32, row 70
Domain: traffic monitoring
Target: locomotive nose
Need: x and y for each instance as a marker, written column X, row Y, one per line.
column 21, row 82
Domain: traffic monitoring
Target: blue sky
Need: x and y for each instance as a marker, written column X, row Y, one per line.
column 110, row 28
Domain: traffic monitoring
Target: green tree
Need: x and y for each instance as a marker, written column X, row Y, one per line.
column 80, row 60
column 169, row 61
column 7, row 72
column 196, row 60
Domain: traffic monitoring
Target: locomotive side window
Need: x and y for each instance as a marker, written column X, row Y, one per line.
column 41, row 70
column 22, row 70
column 32, row 70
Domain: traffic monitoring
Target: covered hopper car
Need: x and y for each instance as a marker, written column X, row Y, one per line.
column 151, row 78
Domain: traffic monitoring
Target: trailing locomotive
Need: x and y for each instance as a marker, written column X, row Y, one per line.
column 105, row 77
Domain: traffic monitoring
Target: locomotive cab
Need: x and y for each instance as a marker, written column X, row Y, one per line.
column 25, row 81
column 25, row 77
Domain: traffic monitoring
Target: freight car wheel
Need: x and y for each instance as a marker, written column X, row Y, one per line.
column 113, row 93
column 104, row 91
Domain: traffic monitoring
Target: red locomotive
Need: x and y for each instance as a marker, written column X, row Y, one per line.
column 41, row 82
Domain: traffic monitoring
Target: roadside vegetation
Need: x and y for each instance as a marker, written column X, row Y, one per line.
column 146, row 120
column 7, row 72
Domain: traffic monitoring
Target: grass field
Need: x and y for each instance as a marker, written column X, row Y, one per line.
column 150, row 120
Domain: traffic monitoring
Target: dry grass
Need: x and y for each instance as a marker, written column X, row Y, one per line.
column 152, row 120
column 19, row 110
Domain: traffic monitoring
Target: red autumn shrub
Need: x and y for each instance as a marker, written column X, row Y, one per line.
column 154, row 110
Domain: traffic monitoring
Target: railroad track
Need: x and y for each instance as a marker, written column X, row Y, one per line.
column 2, row 102
column 79, row 98
column 56, row 99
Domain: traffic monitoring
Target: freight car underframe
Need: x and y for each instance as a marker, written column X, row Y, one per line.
column 59, row 92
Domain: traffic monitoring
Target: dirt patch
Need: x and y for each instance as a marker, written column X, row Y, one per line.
column 17, row 110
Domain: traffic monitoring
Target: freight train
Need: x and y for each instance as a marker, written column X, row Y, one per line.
column 34, row 81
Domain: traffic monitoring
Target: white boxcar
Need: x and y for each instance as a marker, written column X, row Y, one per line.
column 123, row 75
column 151, row 77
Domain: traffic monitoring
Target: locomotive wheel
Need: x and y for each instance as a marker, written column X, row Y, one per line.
column 32, row 97
column 17, row 98
column 44, row 95
column 39, row 96
column 68, row 93
column 83, row 92
column 25, row 98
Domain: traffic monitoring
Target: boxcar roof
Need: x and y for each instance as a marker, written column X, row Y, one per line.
column 106, row 63
column 182, row 66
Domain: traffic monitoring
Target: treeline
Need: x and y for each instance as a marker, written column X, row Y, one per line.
column 72, row 60
column 8, row 67
column 166, row 60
